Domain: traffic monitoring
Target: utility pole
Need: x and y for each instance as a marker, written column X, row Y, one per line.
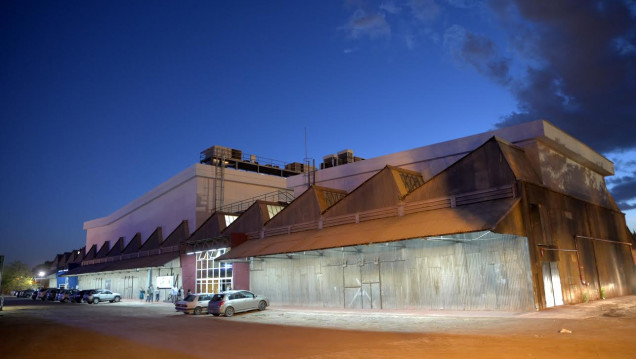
column 1, row 292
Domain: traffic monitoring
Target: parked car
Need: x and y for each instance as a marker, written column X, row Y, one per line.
column 25, row 293
column 65, row 295
column 51, row 294
column 235, row 301
column 40, row 294
column 193, row 304
column 78, row 297
column 101, row 295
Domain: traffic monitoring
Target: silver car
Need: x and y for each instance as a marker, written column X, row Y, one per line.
column 193, row 303
column 95, row 296
column 235, row 301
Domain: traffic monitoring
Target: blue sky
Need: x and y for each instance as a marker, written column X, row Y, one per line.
column 103, row 100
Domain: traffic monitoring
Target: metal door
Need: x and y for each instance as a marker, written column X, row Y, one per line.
column 362, row 286
column 352, row 286
column 552, row 284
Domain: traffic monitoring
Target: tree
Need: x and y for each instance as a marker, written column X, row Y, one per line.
column 16, row 276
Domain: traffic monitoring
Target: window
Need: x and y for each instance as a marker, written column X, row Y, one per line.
column 411, row 182
column 229, row 219
column 273, row 210
column 212, row 276
column 332, row 197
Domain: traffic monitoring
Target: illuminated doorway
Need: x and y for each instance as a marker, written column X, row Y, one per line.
column 212, row 275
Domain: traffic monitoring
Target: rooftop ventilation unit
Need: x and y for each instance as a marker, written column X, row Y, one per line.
column 342, row 158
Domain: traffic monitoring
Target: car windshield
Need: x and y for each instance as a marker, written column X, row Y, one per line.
column 217, row 297
column 190, row 298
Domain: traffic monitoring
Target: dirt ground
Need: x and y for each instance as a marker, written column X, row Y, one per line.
column 602, row 329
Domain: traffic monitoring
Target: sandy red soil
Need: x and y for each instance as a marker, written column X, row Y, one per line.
column 604, row 329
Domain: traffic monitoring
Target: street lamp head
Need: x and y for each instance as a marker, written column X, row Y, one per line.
column 40, row 274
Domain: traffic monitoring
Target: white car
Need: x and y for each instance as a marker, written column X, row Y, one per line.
column 194, row 304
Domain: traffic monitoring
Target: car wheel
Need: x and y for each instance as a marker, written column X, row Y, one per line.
column 215, row 314
column 229, row 311
column 197, row 311
column 262, row 305
column 95, row 300
column 117, row 299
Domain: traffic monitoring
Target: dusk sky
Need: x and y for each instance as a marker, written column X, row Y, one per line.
column 101, row 101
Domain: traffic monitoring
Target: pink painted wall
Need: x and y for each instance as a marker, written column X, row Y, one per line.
column 188, row 272
column 241, row 275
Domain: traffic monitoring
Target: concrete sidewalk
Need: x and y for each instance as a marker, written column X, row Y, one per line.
column 609, row 307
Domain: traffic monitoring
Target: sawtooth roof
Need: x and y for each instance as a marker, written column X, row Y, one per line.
column 307, row 207
column 385, row 188
column 446, row 221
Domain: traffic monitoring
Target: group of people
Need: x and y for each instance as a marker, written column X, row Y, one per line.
column 177, row 294
column 150, row 293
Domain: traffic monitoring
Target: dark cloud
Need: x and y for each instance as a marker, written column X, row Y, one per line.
column 624, row 194
column 581, row 72
column 478, row 51
column 623, row 189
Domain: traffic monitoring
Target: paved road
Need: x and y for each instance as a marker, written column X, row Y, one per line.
column 28, row 328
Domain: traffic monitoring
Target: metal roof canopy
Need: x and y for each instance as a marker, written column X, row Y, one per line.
column 387, row 246
column 476, row 217
column 136, row 263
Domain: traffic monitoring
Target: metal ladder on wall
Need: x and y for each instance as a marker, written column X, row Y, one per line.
column 219, row 180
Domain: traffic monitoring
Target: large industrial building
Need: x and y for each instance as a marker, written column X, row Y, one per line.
column 128, row 250
column 515, row 219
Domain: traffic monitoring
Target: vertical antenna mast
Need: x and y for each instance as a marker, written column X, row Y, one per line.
column 306, row 169
column 305, row 142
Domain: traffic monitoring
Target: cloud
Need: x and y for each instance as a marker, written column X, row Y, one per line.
column 409, row 40
column 623, row 190
column 408, row 21
column 362, row 24
column 390, row 7
column 425, row 11
column 464, row 4
column 581, row 67
column 478, row 51
column 623, row 185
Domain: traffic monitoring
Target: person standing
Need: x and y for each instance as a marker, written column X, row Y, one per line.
column 150, row 292
column 175, row 294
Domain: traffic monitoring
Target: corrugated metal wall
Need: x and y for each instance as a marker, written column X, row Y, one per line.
column 589, row 269
column 128, row 283
column 492, row 274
